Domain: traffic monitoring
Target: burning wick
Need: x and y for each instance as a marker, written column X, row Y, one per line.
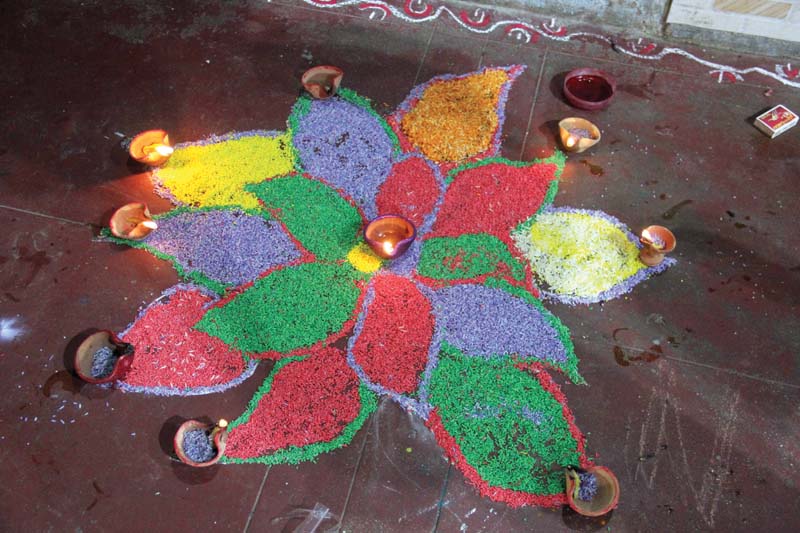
column 389, row 236
column 161, row 149
column 151, row 147
column 657, row 241
column 132, row 221
column 222, row 425
column 571, row 141
column 653, row 240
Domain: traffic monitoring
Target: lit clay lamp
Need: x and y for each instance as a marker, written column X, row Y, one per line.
column 589, row 88
column 103, row 358
column 200, row 444
column 132, row 221
column 657, row 241
column 389, row 236
column 322, row 81
column 578, row 134
column 151, row 147
column 600, row 492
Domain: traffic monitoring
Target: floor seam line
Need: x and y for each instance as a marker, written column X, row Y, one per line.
column 733, row 372
column 533, row 103
column 258, row 498
column 353, row 481
column 445, row 485
column 44, row 215
column 425, row 53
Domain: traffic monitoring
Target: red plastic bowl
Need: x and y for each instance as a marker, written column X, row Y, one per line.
column 589, row 88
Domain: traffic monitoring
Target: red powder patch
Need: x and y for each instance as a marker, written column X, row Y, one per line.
column 492, row 198
column 410, row 190
column 393, row 345
column 309, row 401
column 169, row 353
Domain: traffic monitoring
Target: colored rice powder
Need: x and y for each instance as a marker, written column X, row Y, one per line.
column 103, row 362
column 197, row 446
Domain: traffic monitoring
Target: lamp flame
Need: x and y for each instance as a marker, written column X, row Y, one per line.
column 647, row 236
column 222, row 423
column 164, row 149
column 388, row 247
column 150, row 224
column 571, row 141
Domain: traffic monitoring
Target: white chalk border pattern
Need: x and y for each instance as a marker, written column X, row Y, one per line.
column 481, row 21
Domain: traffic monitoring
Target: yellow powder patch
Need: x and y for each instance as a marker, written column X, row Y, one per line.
column 215, row 174
column 363, row 259
column 456, row 119
column 579, row 254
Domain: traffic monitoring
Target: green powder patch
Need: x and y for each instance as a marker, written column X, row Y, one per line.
column 466, row 257
column 507, row 425
column 291, row 308
column 314, row 213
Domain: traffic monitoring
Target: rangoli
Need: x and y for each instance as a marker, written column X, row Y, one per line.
column 268, row 231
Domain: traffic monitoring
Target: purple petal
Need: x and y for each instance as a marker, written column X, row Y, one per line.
column 227, row 246
column 487, row 321
column 346, row 146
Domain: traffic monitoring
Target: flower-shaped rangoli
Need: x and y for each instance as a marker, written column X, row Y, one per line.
column 268, row 230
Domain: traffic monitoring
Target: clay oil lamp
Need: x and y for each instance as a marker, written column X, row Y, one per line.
column 132, row 221
column 578, row 134
column 322, row 81
column 151, row 147
column 389, row 236
column 589, row 88
column 199, row 444
column 592, row 492
column 657, row 241
column 103, row 358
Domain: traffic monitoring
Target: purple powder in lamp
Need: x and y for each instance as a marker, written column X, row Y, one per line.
column 588, row 488
column 103, row 362
column 580, row 132
column 197, row 446
column 657, row 241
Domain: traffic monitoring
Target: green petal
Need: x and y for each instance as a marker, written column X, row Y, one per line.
column 291, row 308
column 467, row 257
column 315, row 214
column 509, row 427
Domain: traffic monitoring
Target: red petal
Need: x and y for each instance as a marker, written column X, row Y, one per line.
column 393, row 345
column 410, row 190
column 493, row 198
column 308, row 401
column 169, row 353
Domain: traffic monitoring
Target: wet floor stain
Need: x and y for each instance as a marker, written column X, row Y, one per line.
column 99, row 493
column 653, row 353
column 596, row 170
column 64, row 378
column 670, row 213
column 37, row 260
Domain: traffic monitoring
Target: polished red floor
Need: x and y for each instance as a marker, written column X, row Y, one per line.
column 694, row 382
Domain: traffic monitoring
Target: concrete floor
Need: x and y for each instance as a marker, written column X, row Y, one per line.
column 694, row 383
